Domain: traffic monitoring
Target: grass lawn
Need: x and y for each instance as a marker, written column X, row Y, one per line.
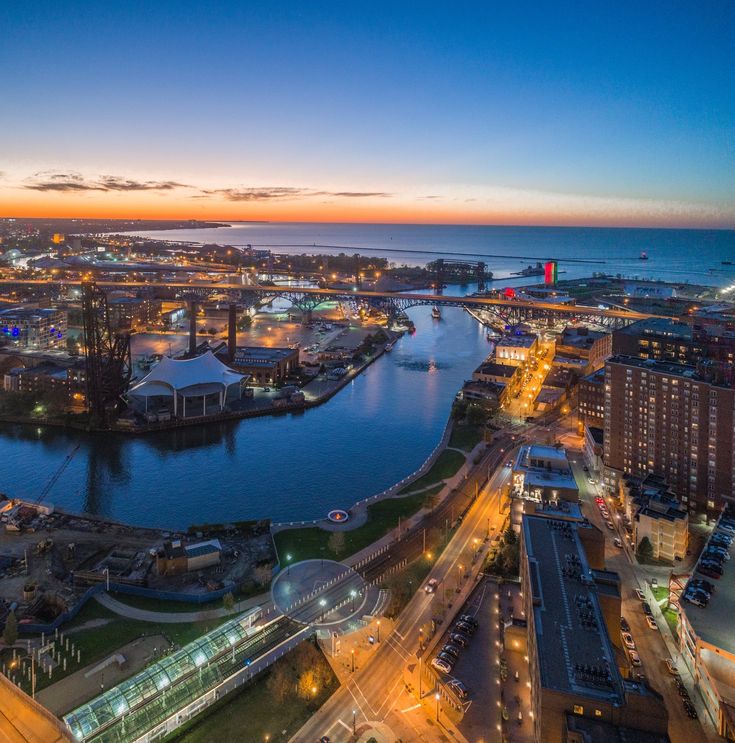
column 151, row 604
column 253, row 713
column 446, row 465
column 465, row 437
column 313, row 542
column 98, row 642
column 672, row 619
column 660, row 592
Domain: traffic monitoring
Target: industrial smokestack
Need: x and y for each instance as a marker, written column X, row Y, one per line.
column 192, row 328
column 232, row 331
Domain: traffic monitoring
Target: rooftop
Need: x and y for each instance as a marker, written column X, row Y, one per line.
column 658, row 326
column 597, row 731
column 28, row 313
column 597, row 377
column 260, row 354
column 713, row 623
column 496, row 370
column 526, row 340
column 575, row 654
column 709, row 372
column 580, row 337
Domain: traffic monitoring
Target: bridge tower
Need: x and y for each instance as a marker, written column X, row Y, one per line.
column 439, row 276
column 106, row 357
column 480, row 273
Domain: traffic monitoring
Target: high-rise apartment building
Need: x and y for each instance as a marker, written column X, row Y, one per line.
column 675, row 421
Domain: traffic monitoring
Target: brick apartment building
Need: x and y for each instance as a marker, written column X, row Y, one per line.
column 675, row 421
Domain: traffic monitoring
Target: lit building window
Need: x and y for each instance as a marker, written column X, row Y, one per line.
column 578, row 709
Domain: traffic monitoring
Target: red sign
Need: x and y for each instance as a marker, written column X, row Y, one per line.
column 509, row 292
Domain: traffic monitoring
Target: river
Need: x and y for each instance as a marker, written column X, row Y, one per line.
column 374, row 432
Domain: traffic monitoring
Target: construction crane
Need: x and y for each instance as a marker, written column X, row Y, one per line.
column 67, row 460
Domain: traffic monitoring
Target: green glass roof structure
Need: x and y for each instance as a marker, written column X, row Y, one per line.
column 151, row 696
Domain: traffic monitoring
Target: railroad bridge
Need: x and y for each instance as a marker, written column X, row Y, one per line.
column 506, row 310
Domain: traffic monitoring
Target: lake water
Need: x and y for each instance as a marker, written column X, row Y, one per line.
column 374, row 432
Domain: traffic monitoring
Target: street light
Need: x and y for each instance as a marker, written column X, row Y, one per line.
column 437, row 697
column 378, row 630
column 354, row 716
column 353, row 660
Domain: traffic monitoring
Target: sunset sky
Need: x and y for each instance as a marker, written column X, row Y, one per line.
column 487, row 113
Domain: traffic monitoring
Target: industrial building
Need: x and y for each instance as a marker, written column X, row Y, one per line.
column 572, row 608
column 33, row 329
column 517, row 349
column 266, row 365
column 175, row 557
column 591, row 346
column 543, row 473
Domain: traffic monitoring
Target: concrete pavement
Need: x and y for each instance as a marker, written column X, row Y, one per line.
column 377, row 692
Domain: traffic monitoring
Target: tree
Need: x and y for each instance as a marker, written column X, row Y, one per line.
column 645, row 550
column 279, row 682
column 337, row 543
column 509, row 536
column 228, row 601
column 459, row 408
column 263, row 574
column 475, row 415
column 10, row 633
column 307, row 684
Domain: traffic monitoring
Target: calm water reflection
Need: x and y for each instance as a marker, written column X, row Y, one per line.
column 373, row 433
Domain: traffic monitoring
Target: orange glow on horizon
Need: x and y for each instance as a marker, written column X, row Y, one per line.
column 379, row 211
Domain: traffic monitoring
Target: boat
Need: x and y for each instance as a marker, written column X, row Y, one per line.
column 643, row 256
column 537, row 270
column 726, row 263
column 436, row 313
column 389, row 346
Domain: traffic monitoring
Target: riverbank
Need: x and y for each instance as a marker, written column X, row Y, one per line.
column 327, row 389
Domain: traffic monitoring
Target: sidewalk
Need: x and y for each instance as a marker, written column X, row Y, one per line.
column 179, row 617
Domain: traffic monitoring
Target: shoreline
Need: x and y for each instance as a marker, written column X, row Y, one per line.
column 209, row 419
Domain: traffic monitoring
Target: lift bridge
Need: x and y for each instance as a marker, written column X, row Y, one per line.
column 456, row 271
column 507, row 310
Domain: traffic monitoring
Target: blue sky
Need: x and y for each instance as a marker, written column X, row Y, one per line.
column 535, row 112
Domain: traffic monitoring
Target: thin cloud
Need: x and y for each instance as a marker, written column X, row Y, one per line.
column 75, row 182
column 259, row 194
column 278, row 193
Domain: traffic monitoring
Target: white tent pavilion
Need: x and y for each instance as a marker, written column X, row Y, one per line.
column 187, row 378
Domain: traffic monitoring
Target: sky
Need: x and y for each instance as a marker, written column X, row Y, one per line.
column 579, row 113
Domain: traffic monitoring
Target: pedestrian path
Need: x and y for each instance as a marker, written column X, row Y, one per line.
column 178, row 617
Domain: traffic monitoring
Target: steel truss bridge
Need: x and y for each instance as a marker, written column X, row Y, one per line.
column 306, row 300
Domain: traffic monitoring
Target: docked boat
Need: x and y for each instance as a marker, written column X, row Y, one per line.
column 643, row 256
column 436, row 313
column 389, row 346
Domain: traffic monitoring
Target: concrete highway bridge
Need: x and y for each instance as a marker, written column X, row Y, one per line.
column 506, row 310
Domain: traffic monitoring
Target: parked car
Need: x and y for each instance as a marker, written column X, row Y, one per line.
column 651, row 622
column 469, row 619
column 447, row 658
column 468, row 629
column 641, row 596
column 441, row 665
column 701, row 583
column 711, row 565
column 618, row 543
column 721, row 551
column 690, row 710
column 624, row 624
column 459, row 639
column 431, row 585
column 599, row 499
column 628, row 640
column 671, row 667
column 709, row 572
column 647, row 609
column 610, row 525
column 452, row 650
column 635, row 659
column 696, row 599
column 458, row 688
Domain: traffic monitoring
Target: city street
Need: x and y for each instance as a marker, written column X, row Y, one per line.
column 376, row 695
column 650, row 644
